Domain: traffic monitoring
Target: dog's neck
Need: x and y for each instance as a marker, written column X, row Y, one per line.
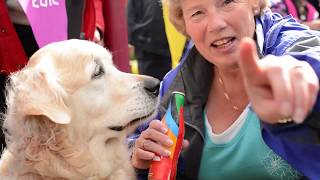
column 68, row 163
column 75, row 163
column 47, row 152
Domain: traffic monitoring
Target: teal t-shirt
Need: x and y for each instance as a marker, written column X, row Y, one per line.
column 245, row 156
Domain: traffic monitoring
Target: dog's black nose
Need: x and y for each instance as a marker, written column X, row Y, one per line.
column 151, row 85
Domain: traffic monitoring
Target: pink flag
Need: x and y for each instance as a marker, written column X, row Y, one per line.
column 48, row 19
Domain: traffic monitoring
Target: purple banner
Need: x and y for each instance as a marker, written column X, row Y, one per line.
column 48, row 19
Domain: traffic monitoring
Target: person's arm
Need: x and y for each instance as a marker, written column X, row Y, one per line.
column 314, row 25
column 282, row 91
column 131, row 18
column 308, row 49
column 100, row 22
column 286, row 36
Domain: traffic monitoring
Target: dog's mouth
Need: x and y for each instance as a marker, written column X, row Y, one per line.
column 132, row 122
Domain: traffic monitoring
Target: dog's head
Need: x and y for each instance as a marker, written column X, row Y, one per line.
column 70, row 96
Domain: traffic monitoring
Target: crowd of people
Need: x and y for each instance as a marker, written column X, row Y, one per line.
column 250, row 76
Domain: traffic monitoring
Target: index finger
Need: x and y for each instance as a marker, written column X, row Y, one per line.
column 158, row 125
column 248, row 60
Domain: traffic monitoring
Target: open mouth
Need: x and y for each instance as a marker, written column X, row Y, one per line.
column 120, row 128
column 223, row 42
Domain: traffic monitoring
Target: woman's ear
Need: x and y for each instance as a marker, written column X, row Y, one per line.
column 255, row 7
column 256, row 12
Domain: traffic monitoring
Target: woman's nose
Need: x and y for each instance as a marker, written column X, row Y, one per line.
column 216, row 21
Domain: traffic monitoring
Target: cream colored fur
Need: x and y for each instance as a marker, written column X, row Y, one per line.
column 61, row 110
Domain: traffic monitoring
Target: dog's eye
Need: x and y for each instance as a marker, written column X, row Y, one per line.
column 98, row 72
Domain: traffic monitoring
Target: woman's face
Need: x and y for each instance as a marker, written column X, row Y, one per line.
column 217, row 26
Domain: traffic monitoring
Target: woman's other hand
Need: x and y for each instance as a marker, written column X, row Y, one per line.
column 152, row 143
column 278, row 87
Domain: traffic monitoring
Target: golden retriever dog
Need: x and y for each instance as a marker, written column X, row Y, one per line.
column 69, row 112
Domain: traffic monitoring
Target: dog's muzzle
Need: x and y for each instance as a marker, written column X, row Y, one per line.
column 120, row 128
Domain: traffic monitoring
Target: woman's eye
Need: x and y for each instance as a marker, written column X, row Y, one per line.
column 196, row 13
column 227, row 2
column 98, row 72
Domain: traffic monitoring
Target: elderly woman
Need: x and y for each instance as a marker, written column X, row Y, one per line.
column 251, row 84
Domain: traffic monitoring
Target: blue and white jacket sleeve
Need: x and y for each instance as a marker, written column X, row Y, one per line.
column 285, row 36
column 298, row 144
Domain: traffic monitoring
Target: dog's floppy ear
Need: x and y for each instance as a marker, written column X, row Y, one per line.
column 38, row 93
column 55, row 112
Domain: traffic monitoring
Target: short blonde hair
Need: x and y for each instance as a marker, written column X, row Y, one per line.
column 176, row 14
